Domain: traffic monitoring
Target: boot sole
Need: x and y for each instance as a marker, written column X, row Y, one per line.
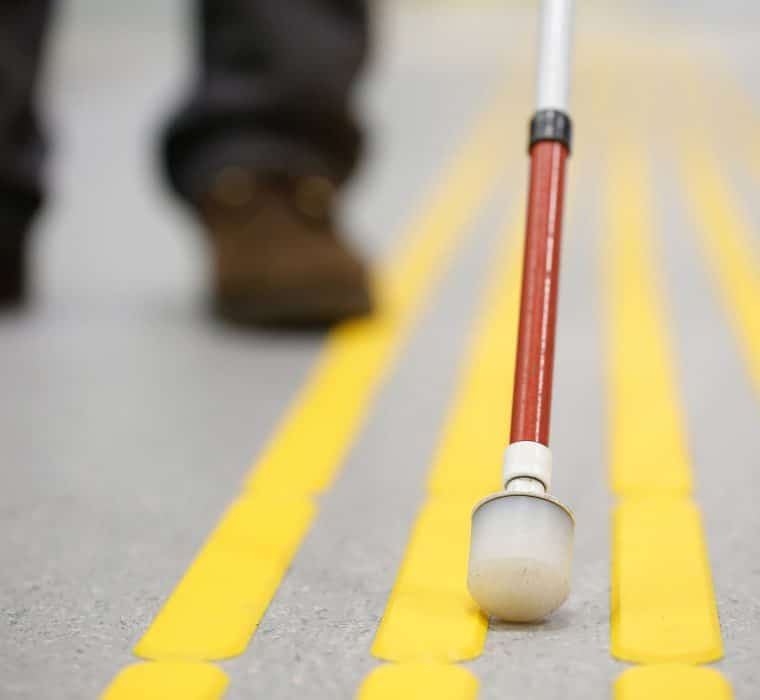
column 297, row 309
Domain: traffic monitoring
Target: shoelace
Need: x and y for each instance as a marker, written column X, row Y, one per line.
column 312, row 196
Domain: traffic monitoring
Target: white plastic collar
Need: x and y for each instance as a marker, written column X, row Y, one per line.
column 530, row 460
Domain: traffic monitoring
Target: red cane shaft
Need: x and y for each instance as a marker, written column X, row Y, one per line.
column 531, row 402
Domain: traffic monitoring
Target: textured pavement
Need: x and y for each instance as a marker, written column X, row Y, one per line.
column 129, row 420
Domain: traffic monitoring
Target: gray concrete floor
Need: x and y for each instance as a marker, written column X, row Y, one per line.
column 128, row 419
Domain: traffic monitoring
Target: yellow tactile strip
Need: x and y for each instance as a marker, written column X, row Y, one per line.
column 216, row 607
column 417, row 680
column 214, row 610
column 728, row 244
column 430, row 616
column 676, row 682
column 663, row 607
column 648, row 453
column 162, row 681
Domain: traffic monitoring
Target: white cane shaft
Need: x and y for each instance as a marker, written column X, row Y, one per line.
column 555, row 30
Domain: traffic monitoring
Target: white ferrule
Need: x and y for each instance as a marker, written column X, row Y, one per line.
column 555, row 39
column 528, row 460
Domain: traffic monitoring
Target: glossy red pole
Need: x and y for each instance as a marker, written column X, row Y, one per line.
column 531, row 402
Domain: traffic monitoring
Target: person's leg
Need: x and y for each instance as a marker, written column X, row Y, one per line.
column 260, row 148
column 22, row 25
column 273, row 91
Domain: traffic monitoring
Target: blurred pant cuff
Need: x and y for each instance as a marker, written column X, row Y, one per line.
column 193, row 176
column 12, row 269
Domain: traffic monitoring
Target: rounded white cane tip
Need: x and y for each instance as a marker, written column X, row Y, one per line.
column 520, row 556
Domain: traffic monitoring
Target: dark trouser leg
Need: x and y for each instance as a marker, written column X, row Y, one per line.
column 273, row 91
column 22, row 25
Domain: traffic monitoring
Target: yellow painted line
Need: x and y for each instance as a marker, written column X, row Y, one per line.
column 216, row 607
column 663, row 605
column 168, row 681
column 729, row 247
column 670, row 682
column 435, row 681
column 430, row 616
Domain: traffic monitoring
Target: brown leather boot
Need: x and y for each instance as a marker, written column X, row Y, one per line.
column 278, row 259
